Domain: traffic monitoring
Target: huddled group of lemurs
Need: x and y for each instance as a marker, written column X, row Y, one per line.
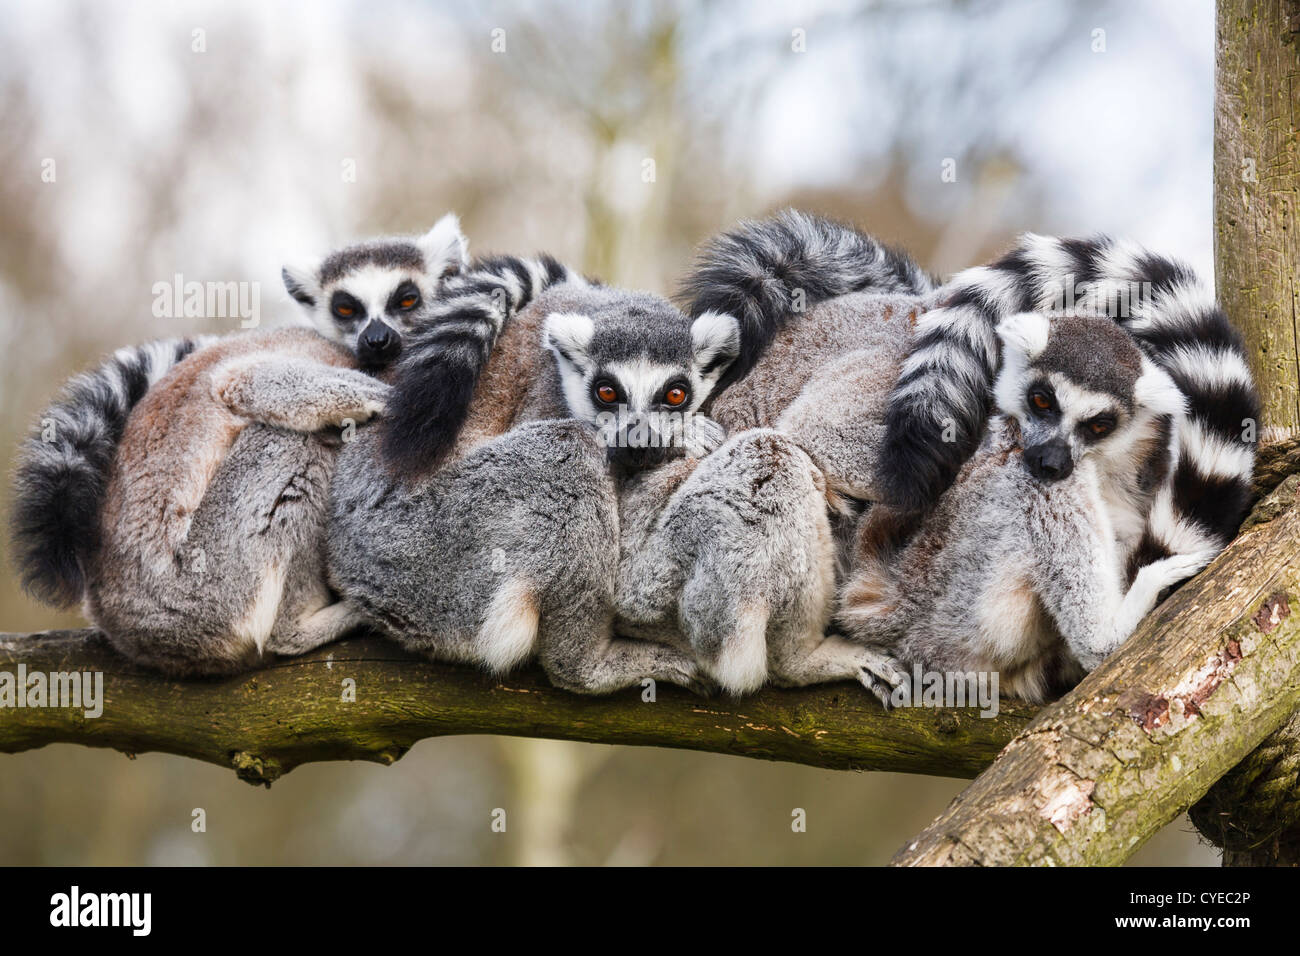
column 825, row 465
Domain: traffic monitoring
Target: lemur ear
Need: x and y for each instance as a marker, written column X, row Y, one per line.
column 1025, row 332
column 1156, row 391
column 300, row 282
column 716, row 338
column 568, row 335
column 445, row 248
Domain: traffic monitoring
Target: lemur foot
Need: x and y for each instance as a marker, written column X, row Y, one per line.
column 882, row 675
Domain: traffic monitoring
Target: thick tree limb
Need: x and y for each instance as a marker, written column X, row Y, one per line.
column 1207, row 677
column 265, row 723
column 1253, row 811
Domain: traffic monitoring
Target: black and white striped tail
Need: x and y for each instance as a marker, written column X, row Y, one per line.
column 946, row 382
column 763, row 272
column 434, row 380
column 63, row 467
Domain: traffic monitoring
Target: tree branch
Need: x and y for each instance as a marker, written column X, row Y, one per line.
column 265, row 723
column 1210, row 674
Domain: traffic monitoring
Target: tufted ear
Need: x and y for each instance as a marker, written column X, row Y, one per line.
column 568, row 335
column 1025, row 332
column 445, row 248
column 300, row 281
column 716, row 339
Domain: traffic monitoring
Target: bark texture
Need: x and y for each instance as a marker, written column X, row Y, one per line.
column 1209, row 675
column 265, row 723
column 1251, row 813
column 1256, row 190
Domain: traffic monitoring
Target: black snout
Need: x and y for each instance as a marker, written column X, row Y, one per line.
column 378, row 344
column 1049, row 461
column 637, row 458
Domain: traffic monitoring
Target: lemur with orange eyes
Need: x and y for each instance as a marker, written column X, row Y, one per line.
column 526, row 544
column 180, row 489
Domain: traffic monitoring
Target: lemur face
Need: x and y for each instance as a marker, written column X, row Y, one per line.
column 1079, row 387
column 639, row 369
column 367, row 296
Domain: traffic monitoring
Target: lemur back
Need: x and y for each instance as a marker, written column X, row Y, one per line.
column 215, row 505
column 413, row 297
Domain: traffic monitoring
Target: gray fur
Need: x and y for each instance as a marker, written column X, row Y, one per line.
column 700, row 572
column 1015, row 574
column 216, row 504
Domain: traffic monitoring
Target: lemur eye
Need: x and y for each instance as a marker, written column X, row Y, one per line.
column 675, row 396
column 606, row 393
column 1100, row 426
column 345, row 310
column 344, row 306
column 1040, row 400
column 409, row 301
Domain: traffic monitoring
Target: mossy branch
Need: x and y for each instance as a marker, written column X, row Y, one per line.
column 265, row 723
column 1207, row 677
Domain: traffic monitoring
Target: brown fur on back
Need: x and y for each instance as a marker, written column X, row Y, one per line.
column 179, row 434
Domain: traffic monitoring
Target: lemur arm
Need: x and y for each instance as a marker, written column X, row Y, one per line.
column 1078, row 577
column 297, row 394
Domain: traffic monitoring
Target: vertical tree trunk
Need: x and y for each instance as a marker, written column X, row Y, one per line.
column 1256, row 190
column 1257, row 250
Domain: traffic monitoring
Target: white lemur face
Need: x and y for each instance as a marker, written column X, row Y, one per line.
column 1079, row 387
column 639, row 370
column 367, row 296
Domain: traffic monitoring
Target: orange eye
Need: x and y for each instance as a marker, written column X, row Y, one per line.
column 409, row 302
column 344, row 310
column 607, row 394
column 1099, row 428
column 1041, row 401
column 675, row 396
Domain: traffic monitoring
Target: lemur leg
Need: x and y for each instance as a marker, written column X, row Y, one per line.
column 749, row 531
column 584, row 656
column 249, row 562
column 316, row 629
column 507, row 554
column 298, row 394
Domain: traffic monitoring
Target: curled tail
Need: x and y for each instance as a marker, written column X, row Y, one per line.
column 63, row 467
column 939, row 406
column 763, row 272
column 434, row 380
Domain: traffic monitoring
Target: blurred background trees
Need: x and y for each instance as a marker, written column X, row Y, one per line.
column 219, row 139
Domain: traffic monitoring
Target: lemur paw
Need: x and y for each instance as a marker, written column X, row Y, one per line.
column 362, row 402
column 882, row 675
column 1178, row 567
column 703, row 435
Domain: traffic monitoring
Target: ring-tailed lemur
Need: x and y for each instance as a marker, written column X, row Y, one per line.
column 514, row 548
column 59, row 526
column 937, row 409
column 370, row 295
column 510, row 549
column 210, row 549
column 946, row 383
column 640, row 370
column 1021, row 569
